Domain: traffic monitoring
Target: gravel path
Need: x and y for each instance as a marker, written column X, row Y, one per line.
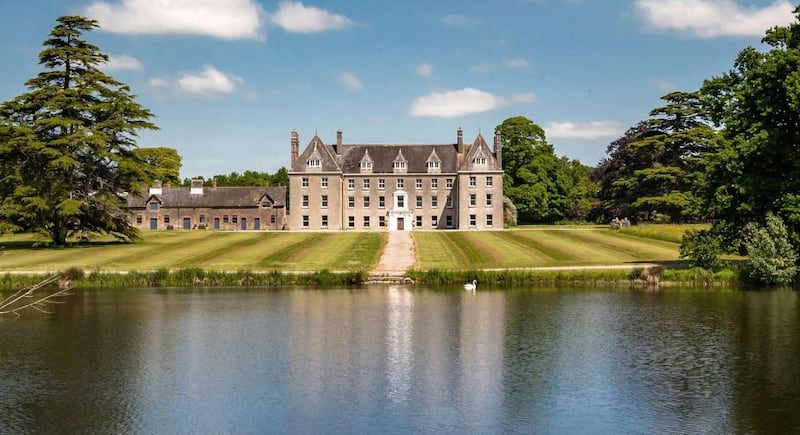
column 398, row 254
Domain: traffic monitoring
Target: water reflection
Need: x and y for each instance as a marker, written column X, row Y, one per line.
column 399, row 360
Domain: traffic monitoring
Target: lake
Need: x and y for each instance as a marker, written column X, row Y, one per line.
column 404, row 359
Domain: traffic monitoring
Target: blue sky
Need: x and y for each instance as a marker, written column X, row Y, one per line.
column 229, row 79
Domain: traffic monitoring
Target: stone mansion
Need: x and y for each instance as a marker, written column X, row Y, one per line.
column 396, row 187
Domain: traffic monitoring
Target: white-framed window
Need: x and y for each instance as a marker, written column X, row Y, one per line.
column 448, row 183
column 351, row 184
column 488, row 200
column 324, row 201
column 382, row 221
column 351, row 221
column 366, row 221
column 449, row 202
column 314, row 163
column 366, row 165
column 434, row 164
column 351, row 202
column 449, row 221
column 305, row 221
column 434, row 183
column 418, row 183
column 489, row 181
column 365, row 184
column 399, row 165
column 324, row 222
column 480, row 161
column 401, row 183
column 419, row 221
column 381, row 184
column 304, row 182
column 489, row 220
column 472, row 200
column 381, row 202
column 305, row 201
column 434, row 221
column 472, row 220
column 473, row 181
column 419, row 201
column 323, row 182
column 434, row 201
column 366, row 201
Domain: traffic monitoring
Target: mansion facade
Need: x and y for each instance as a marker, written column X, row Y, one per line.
column 396, row 187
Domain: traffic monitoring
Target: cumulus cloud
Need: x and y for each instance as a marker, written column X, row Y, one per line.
column 158, row 82
column 210, row 81
column 528, row 97
column 713, row 18
column 295, row 17
column 350, row 81
column 457, row 21
column 231, row 19
column 450, row 104
column 583, row 130
column 424, row 70
column 123, row 62
column 516, row 63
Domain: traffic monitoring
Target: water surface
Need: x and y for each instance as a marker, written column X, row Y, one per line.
column 401, row 360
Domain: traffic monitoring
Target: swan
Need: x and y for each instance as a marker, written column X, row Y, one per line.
column 471, row 286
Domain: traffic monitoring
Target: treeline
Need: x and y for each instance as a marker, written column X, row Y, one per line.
column 727, row 153
column 247, row 178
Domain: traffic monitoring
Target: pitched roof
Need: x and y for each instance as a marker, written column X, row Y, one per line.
column 383, row 157
column 479, row 148
column 217, row 197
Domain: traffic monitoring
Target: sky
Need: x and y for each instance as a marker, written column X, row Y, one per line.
column 228, row 80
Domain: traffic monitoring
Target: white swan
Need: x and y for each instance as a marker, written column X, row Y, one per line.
column 472, row 286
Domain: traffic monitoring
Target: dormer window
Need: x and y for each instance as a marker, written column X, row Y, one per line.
column 434, row 165
column 399, row 165
column 266, row 204
column 314, row 163
column 366, row 165
column 481, row 161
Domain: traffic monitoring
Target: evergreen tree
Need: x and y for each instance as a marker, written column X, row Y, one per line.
column 67, row 146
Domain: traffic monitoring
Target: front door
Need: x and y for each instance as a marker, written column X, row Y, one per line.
column 216, row 223
column 257, row 223
column 401, row 224
column 244, row 223
column 153, row 223
column 187, row 223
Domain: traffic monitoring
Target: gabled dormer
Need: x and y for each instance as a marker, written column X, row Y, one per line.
column 317, row 157
column 400, row 164
column 479, row 157
column 366, row 164
column 265, row 202
column 314, row 160
column 153, row 202
column 434, row 163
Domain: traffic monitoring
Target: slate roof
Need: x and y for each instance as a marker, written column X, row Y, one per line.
column 383, row 157
column 216, row 197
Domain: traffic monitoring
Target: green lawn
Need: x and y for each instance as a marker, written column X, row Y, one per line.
column 538, row 247
column 212, row 250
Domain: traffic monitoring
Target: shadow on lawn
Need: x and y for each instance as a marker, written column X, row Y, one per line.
column 15, row 245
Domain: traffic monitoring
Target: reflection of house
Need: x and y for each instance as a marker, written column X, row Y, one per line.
column 396, row 187
column 220, row 208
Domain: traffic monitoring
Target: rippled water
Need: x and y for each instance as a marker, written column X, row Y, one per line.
column 400, row 360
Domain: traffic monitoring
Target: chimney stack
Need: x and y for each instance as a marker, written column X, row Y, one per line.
column 197, row 187
column 295, row 146
column 498, row 148
column 460, row 141
column 213, row 183
column 156, row 189
column 338, row 147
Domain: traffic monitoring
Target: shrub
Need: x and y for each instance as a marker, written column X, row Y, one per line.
column 772, row 259
column 701, row 248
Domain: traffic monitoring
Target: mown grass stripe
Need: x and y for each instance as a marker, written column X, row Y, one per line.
column 234, row 244
column 288, row 254
column 623, row 250
column 529, row 240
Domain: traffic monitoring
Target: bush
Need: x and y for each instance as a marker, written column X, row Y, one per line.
column 701, row 248
column 772, row 259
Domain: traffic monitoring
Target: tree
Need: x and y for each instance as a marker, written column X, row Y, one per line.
column 164, row 162
column 67, row 147
column 756, row 168
column 771, row 258
column 534, row 179
column 660, row 159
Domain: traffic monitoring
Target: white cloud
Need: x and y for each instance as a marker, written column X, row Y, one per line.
column 157, row 82
column 450, row 104
column 229, row 19
column 350, row 81
column 123, row 62
column 480, row 68
column 583, row 130
column 209, row 81
column 666, row 86
column 528, row 97
column 457, row 20
column 516, row 63
column 714, row 18
column 295, row 17
column 424, row 70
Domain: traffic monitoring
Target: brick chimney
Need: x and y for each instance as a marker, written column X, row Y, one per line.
column 338, row 141
column 295, row 146
column 197, row 187
column 213, row 183
column 156, row 189
column 498, row 148
column 460, row 140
